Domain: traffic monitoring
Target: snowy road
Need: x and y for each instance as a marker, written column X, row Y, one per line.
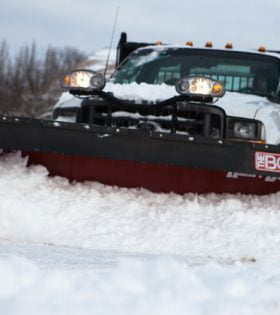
column 93, row 249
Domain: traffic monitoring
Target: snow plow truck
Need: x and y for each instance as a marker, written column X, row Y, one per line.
column 171, row 118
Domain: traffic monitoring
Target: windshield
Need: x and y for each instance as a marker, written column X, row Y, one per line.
column 239, row 72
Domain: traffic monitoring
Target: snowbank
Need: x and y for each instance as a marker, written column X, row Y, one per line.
column 38, row 209
column 91, row 249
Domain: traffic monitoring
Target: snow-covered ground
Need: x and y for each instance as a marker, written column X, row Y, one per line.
column 94, row 249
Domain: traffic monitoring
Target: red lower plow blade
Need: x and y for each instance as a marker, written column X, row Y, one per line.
column 154, row 177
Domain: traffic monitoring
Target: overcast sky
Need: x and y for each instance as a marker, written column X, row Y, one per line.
column 87, row 24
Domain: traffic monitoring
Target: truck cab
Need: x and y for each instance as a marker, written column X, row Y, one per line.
column 147, row 74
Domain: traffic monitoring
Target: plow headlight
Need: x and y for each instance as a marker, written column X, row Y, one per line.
column 84, row 80
column 200, row 87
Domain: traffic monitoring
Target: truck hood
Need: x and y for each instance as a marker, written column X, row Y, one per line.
column 234, row 104
column 242, row 105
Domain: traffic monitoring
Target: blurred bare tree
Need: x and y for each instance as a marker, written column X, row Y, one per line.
column 29, row 83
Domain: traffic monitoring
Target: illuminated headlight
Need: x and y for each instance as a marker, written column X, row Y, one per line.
column 245, row 129
column 84, row 80
column 200, row 87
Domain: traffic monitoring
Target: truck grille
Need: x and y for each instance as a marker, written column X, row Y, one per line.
column 184, row 118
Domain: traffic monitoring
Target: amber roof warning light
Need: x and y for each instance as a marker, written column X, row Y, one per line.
column 209, row 44
column 229, row 46
column 262, row 49
column 189, row 43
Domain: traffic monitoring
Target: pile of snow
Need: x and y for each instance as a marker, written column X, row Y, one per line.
column 141, row 92
column 38, row 209
column 94, row 249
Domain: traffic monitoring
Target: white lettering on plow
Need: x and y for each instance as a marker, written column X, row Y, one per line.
column 235, row 175
column 267, row 161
